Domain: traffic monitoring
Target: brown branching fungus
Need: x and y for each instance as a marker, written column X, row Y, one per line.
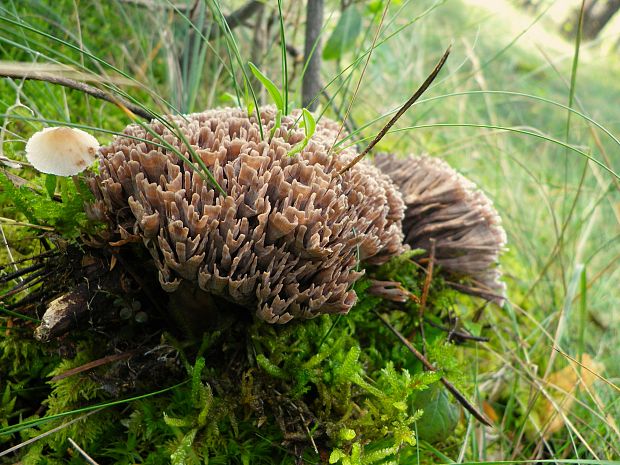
column 443, row 205
column 287, row 238
column 283, row 235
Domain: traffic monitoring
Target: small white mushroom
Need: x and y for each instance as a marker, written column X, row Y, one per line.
column 61, row 151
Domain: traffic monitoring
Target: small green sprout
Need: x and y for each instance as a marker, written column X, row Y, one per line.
column 309, row 125
column 272, row 89
column 277, row 124
column 275, row 94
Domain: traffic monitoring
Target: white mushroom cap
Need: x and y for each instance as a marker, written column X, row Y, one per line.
column 61, row 150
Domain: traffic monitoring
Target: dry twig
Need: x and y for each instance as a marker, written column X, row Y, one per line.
column 425, row 85
column 94, row 364
column 427, row 286
column 29, row 74
column 449, row 386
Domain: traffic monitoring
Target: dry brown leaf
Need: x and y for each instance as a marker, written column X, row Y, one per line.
column 490, row 412
column 561, row 386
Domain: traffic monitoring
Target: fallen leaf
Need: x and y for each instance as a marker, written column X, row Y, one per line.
column 562, row 386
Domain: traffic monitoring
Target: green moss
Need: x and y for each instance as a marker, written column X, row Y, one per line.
column 342, row 386
column 40, row 207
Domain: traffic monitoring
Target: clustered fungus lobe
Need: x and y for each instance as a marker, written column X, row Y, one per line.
column 285, row 241
column 443, row 206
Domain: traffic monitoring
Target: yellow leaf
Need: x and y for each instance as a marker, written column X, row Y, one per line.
column 562, row 386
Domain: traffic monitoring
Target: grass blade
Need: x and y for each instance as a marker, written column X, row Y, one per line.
column 273, row 91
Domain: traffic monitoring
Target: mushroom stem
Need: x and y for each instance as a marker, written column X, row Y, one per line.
column 196, row 311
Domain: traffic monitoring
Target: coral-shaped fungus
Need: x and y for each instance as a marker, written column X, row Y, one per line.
column 287, row 238
column 443, row 205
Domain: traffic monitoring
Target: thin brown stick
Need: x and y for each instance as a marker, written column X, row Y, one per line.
column 24, row 305
column 418, row 93
column 32, row 281
column 429, row 278
column 311, row 82
column 425, row 290
column 80, row 86
column 20, row 272
column 94, row 364
column 449, row 386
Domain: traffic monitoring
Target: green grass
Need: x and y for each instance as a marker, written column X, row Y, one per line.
column 561, row 212
column 533, row 184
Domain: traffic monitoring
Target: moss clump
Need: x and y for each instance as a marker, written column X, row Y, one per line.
column 338, row 389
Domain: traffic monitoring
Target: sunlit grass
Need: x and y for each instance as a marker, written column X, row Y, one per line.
column 533, row 184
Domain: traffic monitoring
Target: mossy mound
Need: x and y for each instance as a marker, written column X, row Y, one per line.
column 337, row 389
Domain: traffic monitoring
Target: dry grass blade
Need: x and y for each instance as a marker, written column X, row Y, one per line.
column 425, row 290
column 47, row 433
column 585, row 367
column 9, row 252
column 11, row 222
column 418, row 93
column 94, row 364
column 537, row 384
column 82, row 452
column 53, row 70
